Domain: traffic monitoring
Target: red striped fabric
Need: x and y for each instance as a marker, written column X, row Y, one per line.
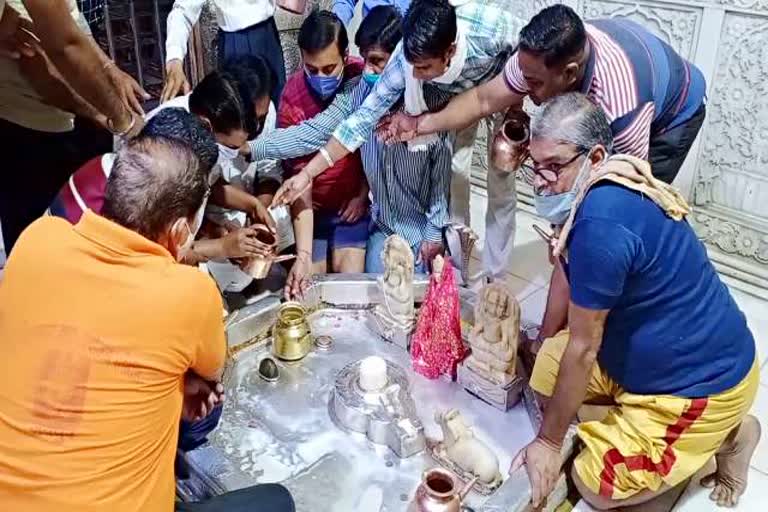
column 614, row 457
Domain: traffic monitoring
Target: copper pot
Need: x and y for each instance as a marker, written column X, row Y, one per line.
column 258, row 266
column 439, row 492
column 510, row 145
column 294, row 6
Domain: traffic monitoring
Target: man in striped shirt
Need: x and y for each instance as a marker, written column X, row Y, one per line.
column 409, row 189
column 453, row 45
column 653, row 98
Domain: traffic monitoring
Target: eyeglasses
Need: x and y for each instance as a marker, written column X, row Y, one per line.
column 552, row 172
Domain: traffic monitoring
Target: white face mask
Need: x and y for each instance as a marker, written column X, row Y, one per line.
column 197, row 222
column 227, row 153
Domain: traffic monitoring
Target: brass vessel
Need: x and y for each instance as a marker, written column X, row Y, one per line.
column 510, row 145
column 291, row 336
column 258, row 267
column 439, row 492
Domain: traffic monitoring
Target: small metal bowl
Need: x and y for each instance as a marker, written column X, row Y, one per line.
column 268, row 370
column 323, row 342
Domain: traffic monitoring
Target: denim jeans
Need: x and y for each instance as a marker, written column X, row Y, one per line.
column 258, row 498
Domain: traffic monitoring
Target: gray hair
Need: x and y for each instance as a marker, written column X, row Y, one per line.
column 574, row 119
column 153, row 182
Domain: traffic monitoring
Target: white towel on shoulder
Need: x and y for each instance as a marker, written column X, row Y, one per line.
column 414, row 88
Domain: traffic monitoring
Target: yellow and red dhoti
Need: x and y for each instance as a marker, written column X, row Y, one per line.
column 646, row 440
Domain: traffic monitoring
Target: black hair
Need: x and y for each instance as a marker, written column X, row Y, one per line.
column 429, row 29
column 179, row 125
column 382, row 28
column 217, row 98
column 153, row 182
column 319, row 30
column 254, row 81
column 556, row 33
column 253, row 75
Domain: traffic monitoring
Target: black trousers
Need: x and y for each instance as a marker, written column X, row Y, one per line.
column 259, row 498
column 36, row 165
column 261, row 39
column 668, row 150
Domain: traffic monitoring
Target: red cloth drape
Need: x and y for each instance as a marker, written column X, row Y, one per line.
column 436, row 346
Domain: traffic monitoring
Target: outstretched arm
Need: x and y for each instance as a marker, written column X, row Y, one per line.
column 306, row 137
column 471, row 106
column 83, row 64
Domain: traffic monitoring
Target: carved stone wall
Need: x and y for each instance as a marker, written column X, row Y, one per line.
column 726, row 174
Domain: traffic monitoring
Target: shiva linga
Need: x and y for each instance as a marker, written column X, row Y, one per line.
column 291, row 336
column 258, row 266
column 510, row 145
column 371, row 396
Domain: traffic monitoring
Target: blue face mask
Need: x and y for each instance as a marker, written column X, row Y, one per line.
column 324, row 86
column 371, row 78
column 556, row 207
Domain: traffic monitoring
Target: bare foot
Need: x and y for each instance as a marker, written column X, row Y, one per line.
column 729, row 481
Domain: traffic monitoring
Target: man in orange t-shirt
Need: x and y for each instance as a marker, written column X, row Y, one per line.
column 96, row 365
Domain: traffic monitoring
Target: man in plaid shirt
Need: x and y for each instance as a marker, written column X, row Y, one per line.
column 454, row 46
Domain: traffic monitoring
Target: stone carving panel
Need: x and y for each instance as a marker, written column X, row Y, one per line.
column 756, row 5
column 677, row 25
column 731, row 185
column 731, row 237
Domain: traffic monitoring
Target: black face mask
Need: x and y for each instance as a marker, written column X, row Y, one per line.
column 255, row 126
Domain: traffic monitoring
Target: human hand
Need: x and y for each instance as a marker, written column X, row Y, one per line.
column 353, row 209
column 16, row 36
column 542, row 462
column 428, row 251
column 244, row 243
column 175, row 81
column 130, row 92
column 292, row 189
column 398, row 127
column 259, row 214
column 200, row 397
column 298, row 278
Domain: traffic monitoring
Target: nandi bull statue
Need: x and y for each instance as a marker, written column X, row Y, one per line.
column 463, row 453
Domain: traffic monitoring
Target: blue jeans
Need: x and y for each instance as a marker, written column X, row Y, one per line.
column 195, row 433
column 375, row 246
column 259, row 498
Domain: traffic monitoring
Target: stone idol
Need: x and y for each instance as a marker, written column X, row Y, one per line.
column 394, row 317
column 489, row 371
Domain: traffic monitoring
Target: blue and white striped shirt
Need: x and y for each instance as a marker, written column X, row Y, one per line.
column 491, row 31
column 410, row 189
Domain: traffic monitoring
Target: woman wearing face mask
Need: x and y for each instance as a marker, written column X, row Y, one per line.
column 409, row 189
column 331, row 226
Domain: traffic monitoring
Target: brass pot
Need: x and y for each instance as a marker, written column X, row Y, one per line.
column 291, row 336
column 510, row 145
column 439, row 491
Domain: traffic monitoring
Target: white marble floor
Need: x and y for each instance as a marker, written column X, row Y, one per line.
column 528, row 278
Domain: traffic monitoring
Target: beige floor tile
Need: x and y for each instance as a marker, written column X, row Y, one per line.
column 755, row 499
column 533, row 307
column 760, row 411
column 755, row 308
